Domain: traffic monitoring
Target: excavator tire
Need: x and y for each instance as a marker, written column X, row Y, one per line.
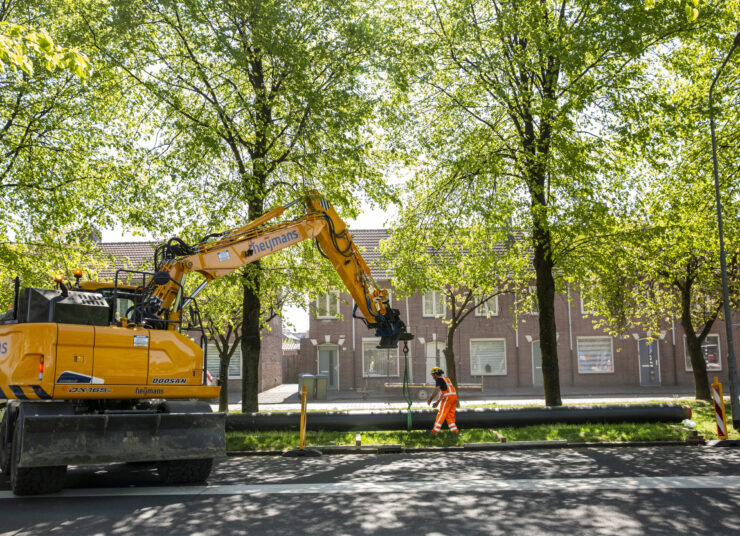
column 33, row 480
column 184, row 471
column 5, row 438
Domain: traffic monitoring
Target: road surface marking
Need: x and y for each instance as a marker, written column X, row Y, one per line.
column 424, row 486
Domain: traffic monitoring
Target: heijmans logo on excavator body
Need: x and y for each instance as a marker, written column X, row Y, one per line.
column 276, row 241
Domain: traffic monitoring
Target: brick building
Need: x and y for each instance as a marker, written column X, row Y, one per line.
column 140, row 256
column 491, row 355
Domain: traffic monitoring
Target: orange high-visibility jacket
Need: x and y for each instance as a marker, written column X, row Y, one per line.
column 450, row 388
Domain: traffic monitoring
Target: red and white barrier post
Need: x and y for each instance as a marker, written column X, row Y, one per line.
column 719, row 409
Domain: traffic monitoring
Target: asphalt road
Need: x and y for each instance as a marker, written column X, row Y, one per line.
column 625, row 491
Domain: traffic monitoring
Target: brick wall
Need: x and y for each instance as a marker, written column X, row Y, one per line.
column 571, row 325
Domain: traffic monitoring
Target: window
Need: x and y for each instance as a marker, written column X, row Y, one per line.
column 327, row 305
column 122, row 307
column 434, row 303
column 235, row 365
column 488, row 357
column 534, row 306
column 586, row 308
column 488, row 309
column 376, row 362
column 710, row 349
column 595, row 355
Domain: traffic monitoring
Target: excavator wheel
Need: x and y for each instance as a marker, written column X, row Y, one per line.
column 5, row 442
column 184, row 471
column 33, row 480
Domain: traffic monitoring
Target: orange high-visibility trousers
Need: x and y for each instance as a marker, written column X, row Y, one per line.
column 446, row 412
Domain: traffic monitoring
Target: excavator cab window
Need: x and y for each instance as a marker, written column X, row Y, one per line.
column 122, row 307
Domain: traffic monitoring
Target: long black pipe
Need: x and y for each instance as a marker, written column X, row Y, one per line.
column 466, row 418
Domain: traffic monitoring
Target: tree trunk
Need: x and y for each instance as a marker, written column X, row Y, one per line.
column 223, row 374
column 536, row 150
column 251, row 343
column 254, row 186
column 450, row 367
column 543, row 266
column 693, row 345
column 548, row 331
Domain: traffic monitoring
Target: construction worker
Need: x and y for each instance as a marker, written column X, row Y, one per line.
column 445, row 393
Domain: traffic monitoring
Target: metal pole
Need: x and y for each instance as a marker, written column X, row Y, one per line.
column 731, row 365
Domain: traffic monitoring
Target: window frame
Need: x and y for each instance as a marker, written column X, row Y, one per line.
column 534, row 310
column 687, row 358
column 611, row 350
column 441, row 299
column 487, row 305
column 487, row 339
column 329, row 315
column 585, row 312
column 375, row 341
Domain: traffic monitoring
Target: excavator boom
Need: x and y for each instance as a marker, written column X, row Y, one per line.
column 238, row 247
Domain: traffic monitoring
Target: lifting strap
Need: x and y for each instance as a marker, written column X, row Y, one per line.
column 406, row 389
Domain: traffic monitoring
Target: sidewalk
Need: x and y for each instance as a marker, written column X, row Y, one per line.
column 286, row 398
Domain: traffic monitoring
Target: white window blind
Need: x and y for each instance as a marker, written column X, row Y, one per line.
column 488, row 357
column 235, row 365
column 595, row 355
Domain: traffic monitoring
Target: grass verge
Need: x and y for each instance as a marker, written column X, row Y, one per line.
column 703, row 416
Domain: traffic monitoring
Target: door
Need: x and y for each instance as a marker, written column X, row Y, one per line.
column 435, row 358
column 329, row 365
column 649, row 362
column 537, row 364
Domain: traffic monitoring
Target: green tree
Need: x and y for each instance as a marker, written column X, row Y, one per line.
column 66, row 166
column 523, row 87
column 221, row 314
column 661, row 260
column 257, row 101
column 466, row 255
column 21, row 47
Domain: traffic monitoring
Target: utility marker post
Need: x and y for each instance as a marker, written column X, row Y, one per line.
column 719, row 409
column 302, row 451
column 303, row 419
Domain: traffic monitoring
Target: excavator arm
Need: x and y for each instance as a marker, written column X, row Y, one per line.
column 221, row 254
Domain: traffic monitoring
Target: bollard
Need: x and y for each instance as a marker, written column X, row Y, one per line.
column 303, row 419
column 302, row 451
column 719, row 409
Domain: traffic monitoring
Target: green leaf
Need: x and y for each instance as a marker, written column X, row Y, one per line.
column 44, row 40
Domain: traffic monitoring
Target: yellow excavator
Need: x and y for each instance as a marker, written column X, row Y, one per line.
column 106, row 372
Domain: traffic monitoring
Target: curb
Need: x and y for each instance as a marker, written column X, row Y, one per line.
column 478, row 447
column 724, row 443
